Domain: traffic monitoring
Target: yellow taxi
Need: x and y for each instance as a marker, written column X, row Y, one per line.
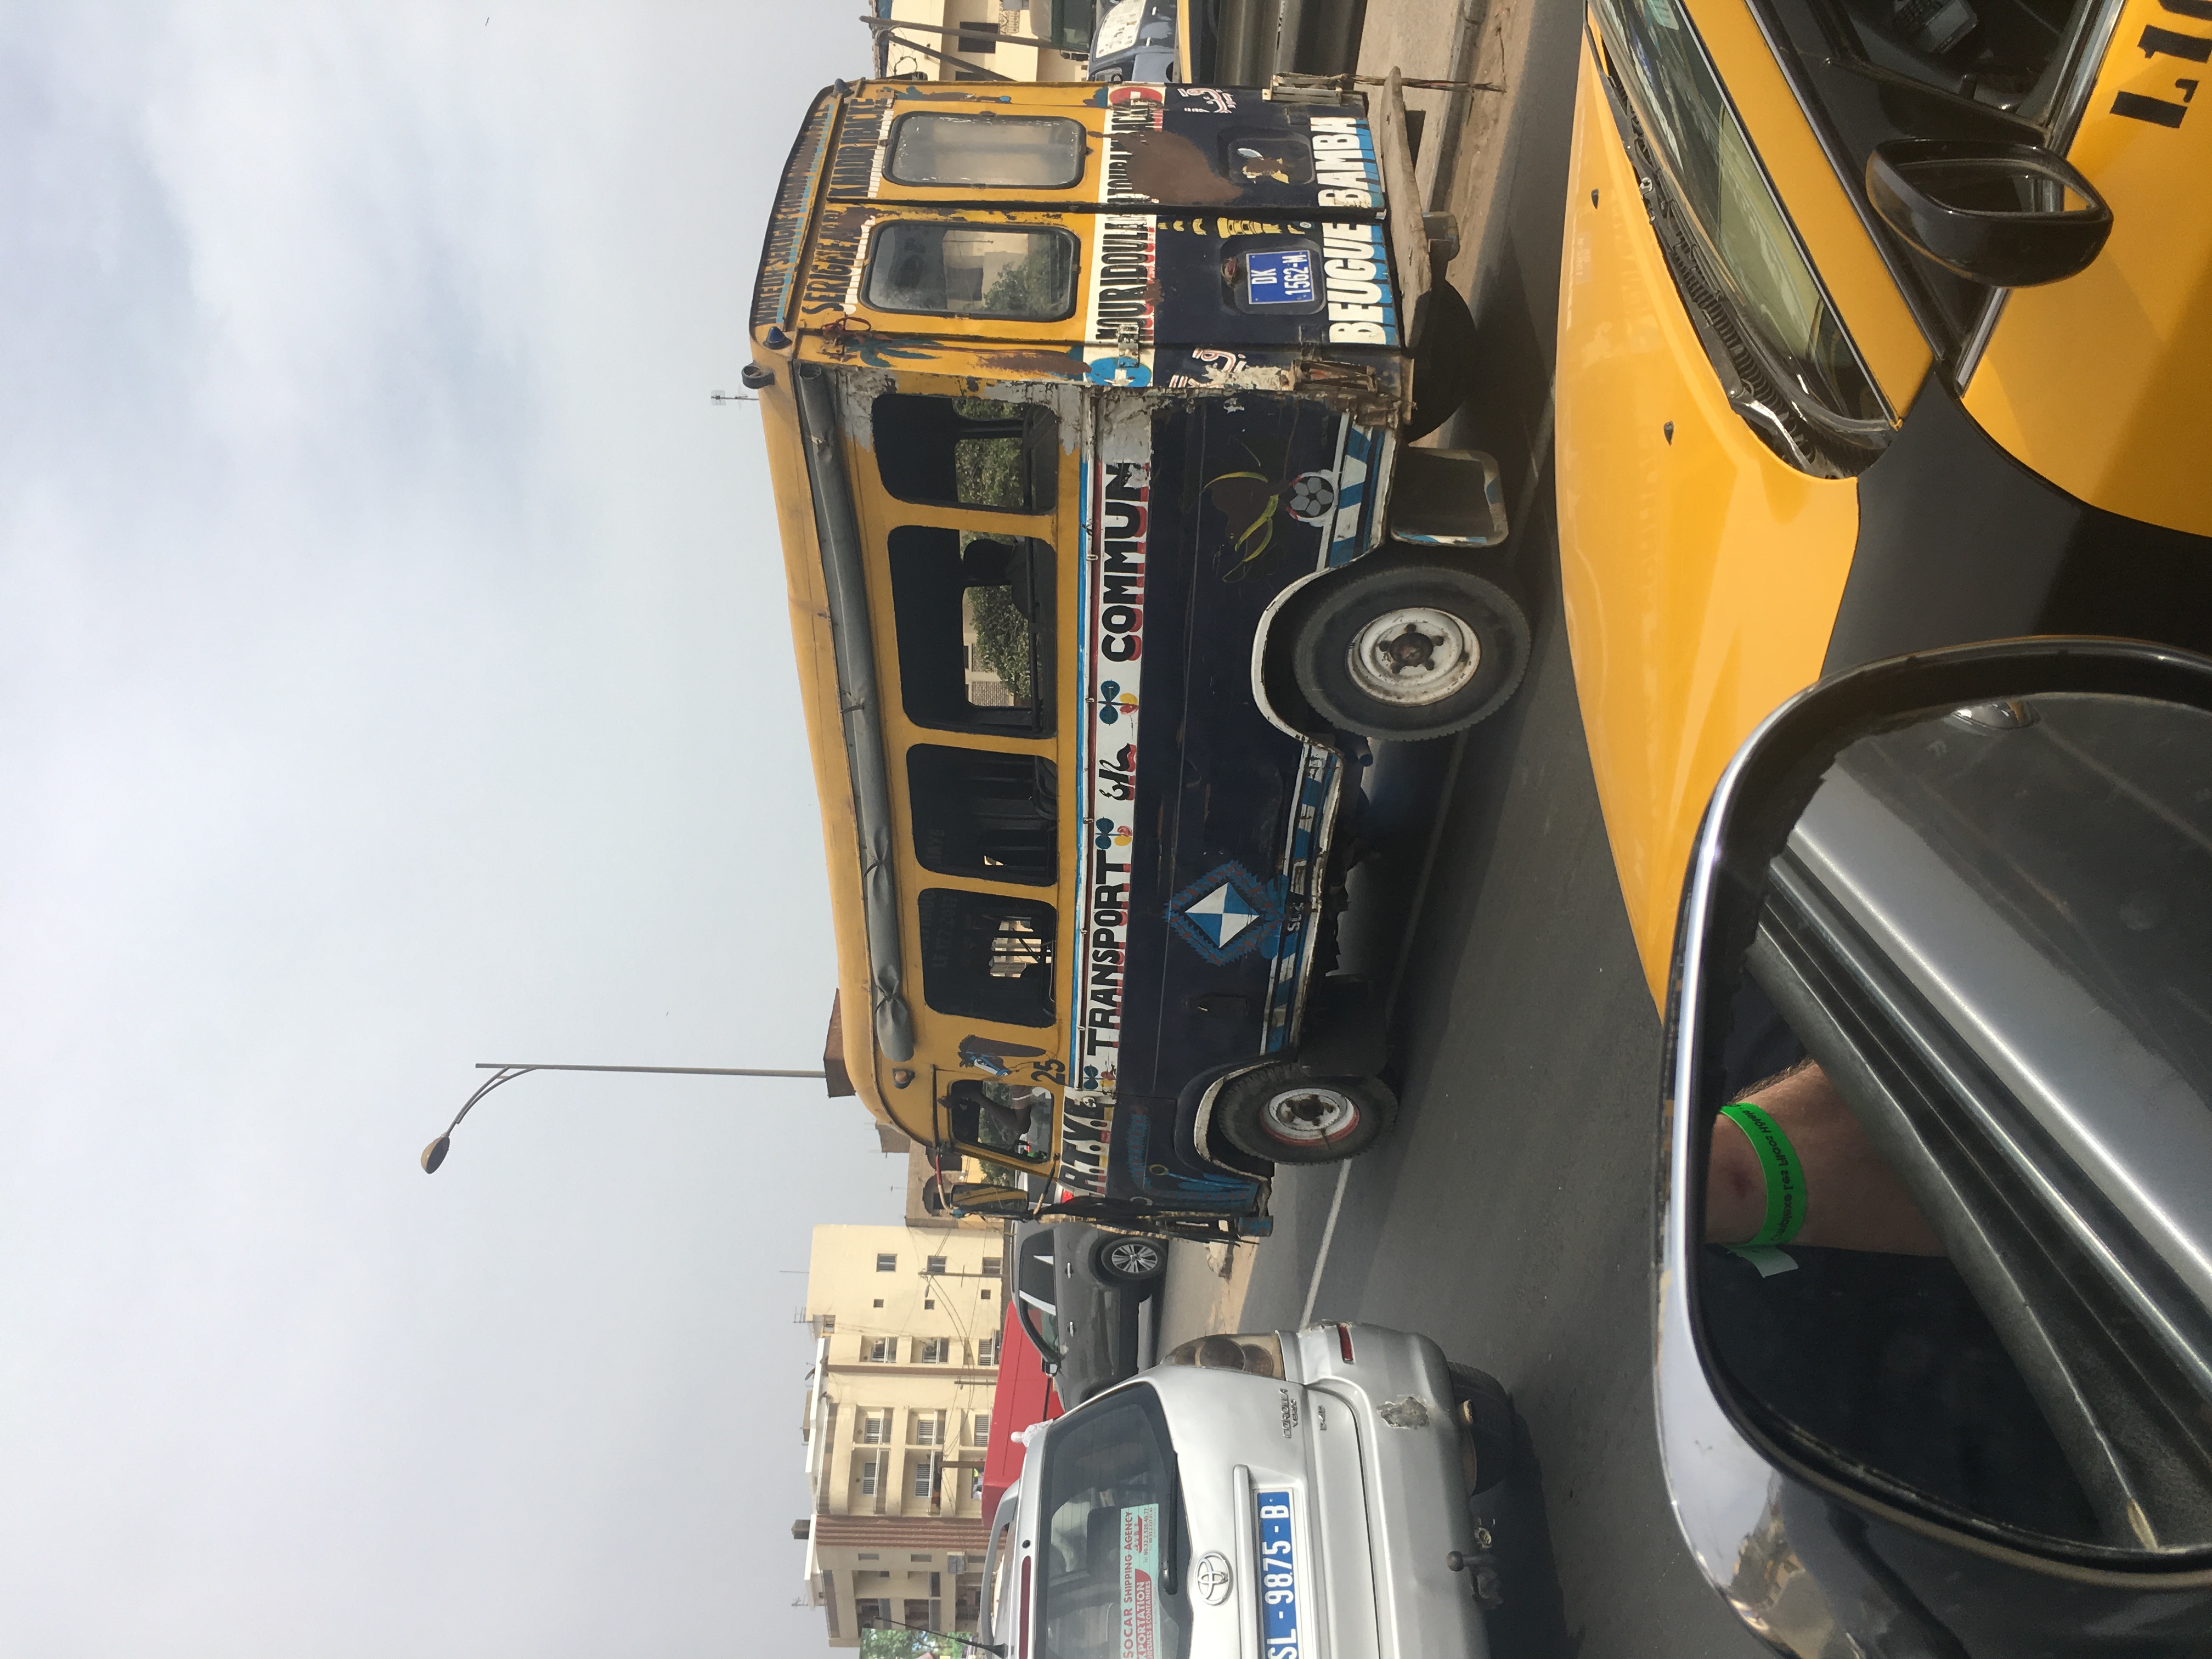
column 1884, row 326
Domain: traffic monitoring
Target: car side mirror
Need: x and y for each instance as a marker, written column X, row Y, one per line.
column 2003, row 215
column 1934, row 1345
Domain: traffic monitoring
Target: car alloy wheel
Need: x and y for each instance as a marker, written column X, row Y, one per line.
column 1133, row 1259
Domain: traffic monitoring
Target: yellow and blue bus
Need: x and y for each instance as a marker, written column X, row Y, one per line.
column 1090, row 410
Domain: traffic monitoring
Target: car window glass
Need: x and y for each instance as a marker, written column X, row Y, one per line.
column 1044, row 1322
column 1872, row 71
column 1782, row 352
column 1979, row 1008
column 974, row 619
column 1107, row 1485
column 972, row 270
column 1036, row 151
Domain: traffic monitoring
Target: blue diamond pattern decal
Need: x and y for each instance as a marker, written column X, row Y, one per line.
column 1225, row 914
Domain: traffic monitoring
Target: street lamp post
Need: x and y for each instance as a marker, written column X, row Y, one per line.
column 506, row 1071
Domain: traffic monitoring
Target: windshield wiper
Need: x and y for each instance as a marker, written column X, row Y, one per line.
column 1171, row 1534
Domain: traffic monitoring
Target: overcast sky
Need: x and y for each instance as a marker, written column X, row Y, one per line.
column 394, row 674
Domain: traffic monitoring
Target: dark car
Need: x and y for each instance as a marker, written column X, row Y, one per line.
column 1081, row 1295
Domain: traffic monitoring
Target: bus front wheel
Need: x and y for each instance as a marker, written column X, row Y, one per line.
column 1279, row 1113
column 1410, row 651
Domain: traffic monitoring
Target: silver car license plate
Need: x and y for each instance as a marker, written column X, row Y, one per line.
column 1278, row 1578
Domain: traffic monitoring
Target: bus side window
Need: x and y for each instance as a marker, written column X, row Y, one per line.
column 968, row 452
column 988, row 958
column 973, row 619
column 1038, row 152
column 995, row 816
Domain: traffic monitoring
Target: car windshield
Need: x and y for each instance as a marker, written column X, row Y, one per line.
column 1107, row 1533
column 1731, row 249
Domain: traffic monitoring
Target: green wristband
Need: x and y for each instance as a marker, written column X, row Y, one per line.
column 1785, row 1175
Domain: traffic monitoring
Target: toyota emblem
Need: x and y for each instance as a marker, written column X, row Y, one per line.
column 1211, row 1576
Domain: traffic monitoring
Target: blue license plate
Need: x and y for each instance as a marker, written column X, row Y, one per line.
column 1282, row 276
column 1278, row 1578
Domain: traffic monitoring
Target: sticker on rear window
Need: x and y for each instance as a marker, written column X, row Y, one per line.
column 1140, row 1572
column 1280, row 277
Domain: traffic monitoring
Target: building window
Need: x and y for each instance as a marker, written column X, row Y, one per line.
column 869, row 1555
column 986, row 1295
column 981, row 38
column 828, row 1321
column 993, row 1267
column 929, row 1428
column 928, row 1303
column 922, row 1557
column 979, row 1428
column 886, row 1264
column 879, row 1302
column 918, row 1615
column 875, row 1428
column 925, row 1478
column 987, row 1351
column 874, row 1612
column 881, row 1350
column 936, row 1265
column 931, row 1350
column 871, row 1473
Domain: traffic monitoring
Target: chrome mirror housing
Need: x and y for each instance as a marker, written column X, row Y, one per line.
column 1935, row 1255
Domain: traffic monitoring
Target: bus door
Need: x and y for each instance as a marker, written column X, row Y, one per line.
column 1222, row 234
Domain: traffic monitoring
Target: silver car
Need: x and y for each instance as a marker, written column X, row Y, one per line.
column 1272, row 1497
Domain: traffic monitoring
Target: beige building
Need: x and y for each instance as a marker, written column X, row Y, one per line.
column 906, row 1323
column 978, row 39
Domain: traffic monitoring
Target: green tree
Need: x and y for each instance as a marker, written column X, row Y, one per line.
column 1002, row 638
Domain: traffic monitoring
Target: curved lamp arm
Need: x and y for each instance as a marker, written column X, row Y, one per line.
column 434, row 1153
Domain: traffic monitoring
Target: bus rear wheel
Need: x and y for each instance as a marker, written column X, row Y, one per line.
column 1279, row 1113
column 1410, row 651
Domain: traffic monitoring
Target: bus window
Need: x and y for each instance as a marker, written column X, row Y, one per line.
column 998, row 1121
column 996, row 817
column 967, row 451
column 1038, row 152
column 972, row 270
column 973, row 619
column 987, row 956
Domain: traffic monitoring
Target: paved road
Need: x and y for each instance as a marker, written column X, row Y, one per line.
column 1509, row 1215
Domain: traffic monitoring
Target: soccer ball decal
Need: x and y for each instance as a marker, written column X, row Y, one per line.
column 1311, row 496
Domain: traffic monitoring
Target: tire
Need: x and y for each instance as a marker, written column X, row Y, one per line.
column 1279, row 1113
column 1490, row 1413
column 1409, row 651
column 1127, row 1259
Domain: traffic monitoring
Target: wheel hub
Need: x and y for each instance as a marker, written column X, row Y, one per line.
column 1414, row 656
column 1309, row 1115
column 1134, row 1257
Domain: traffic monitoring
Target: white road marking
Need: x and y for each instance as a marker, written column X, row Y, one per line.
column 1327, row 1236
